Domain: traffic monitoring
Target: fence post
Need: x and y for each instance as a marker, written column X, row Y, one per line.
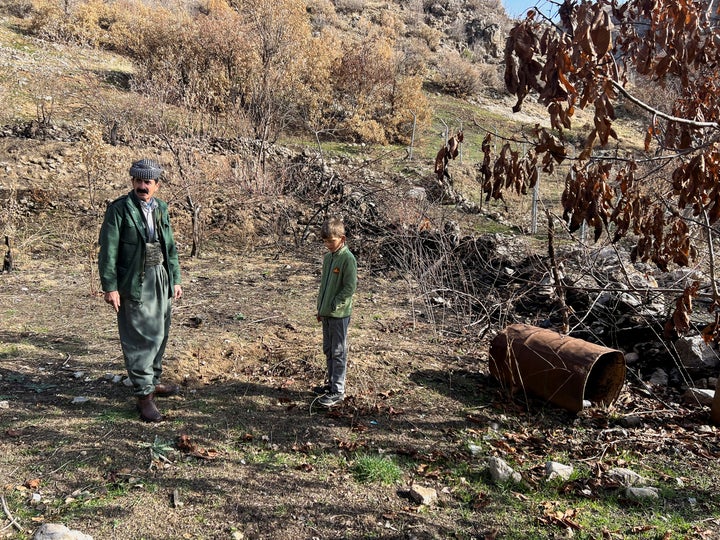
column 535, row 201
column 412, row 138
column 461, row 145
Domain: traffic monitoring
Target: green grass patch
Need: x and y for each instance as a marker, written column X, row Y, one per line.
column 376, row 469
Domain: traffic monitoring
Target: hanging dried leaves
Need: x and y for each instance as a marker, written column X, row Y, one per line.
column 680, row 322
column 584, row 60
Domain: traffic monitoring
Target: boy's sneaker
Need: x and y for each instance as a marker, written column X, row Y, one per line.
column 330, row 400
column 321, row 390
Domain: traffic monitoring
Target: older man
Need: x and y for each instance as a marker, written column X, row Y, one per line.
column 140, row 274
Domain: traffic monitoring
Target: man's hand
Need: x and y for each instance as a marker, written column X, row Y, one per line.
column 113, row 298
column 178, row 292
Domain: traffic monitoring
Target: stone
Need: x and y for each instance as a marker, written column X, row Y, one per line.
column 417, row 193
column 659, row 378
column 423, row 495
column 57, row 531
column 639, row 493
column 694, row 353
column 631, row 421
column 702, row 396
column 627, row 477
column 553, row 469
column 501, row 472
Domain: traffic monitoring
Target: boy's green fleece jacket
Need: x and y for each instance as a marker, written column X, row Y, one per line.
column 337, row 284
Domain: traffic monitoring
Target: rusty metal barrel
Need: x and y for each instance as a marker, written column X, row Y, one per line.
column 563, row 370
column 715, row 407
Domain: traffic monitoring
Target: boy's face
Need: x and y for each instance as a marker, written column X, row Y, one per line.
column 333, row 243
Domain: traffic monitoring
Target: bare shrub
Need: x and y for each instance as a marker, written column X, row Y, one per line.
column 94, row 161
column 322, row 12
column 447, row 279
column 85, row 23
column 484, row 6
column 7, row 107
column 16, row 8
column 490, row 77
column 378, row 90
column 253, row 180
column 349, row 6
column 457, row 76
column 365, row 130
column 657, row 96
column 411, row 215
column 49, row 21
column 428, row 35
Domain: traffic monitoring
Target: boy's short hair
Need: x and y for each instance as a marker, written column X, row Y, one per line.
column 332, row 228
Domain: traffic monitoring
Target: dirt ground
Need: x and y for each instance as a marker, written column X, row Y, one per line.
column 245, row 451
column 247, row 350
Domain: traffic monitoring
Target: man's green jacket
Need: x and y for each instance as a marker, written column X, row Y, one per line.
column 337, row 284
column 122, row 247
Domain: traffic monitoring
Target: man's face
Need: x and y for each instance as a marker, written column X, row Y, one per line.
column 145, row 189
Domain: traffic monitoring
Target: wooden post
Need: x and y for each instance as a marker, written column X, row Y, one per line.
column 461, row 146
column 535, row 202
column 412, row 138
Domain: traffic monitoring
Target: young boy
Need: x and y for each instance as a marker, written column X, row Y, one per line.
column 334, row 306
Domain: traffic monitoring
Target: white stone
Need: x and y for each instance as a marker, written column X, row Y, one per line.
column 500, row 471
column 553, row 469
column 57, row 531
column 627, row 477
column 417, row 193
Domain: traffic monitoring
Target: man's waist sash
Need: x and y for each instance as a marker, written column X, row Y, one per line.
column 153, row 254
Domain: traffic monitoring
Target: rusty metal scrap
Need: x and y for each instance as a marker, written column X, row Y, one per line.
column 563, row 370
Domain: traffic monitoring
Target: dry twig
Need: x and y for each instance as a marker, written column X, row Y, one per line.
column 9, row 516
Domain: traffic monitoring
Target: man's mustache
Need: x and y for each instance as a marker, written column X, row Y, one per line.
column 142, row 190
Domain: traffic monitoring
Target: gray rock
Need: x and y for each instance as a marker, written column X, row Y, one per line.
column 500, row 471
column 640, row 493
column 702, row 396
column 423, row 495
column 659, row 378
column 631, row 421
column 627, row 477
column 694, row 353
column 553, row 469
column 417, row 193
column 57, row 531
